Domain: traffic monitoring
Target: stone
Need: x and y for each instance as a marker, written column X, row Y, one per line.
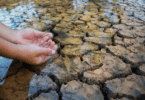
column 123, row 98
column 132, row 86
column 111, row 68
column 103, row 24
column 75, row 90
column 78, row 22
column 94, row 58
column 129, row 56
column 86, row 18
column 40, row 82
column 128, row 33
column 77, row 50
column 118, row 40
column 141, row 70
column 74, row 33
column 52, row 95
column 99, row 34
column 68, row 40
column 99, row 40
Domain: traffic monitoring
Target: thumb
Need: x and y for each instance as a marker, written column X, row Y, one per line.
column 45, row 51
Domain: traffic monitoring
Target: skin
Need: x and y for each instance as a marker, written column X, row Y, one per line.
column 28, row 45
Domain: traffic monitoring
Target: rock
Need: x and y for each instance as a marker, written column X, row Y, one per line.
column 99, row 34
column 74, row 33
column 129, row 56
column 128, row 33
column 77, row 50
column 99, row 40
column 52, row 95
column 86, row 18
column 68, row 40
column 103, row 24
column 132, row 86
column 124, row 98
column 141, row 70
column 40, row 82
column 94, row 59
column 75, row 90
column 118, row 40
column 111, row 68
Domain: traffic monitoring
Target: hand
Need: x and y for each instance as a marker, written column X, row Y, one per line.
column 33, row 54
column 31, row 36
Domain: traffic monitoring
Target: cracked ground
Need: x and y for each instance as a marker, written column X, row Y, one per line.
column 100, row 56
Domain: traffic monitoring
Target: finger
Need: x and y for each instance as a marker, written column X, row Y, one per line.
column 45, row 51
column 38, row 33
column 55, row 47
column 50, row 35
column 52, row 44
column 45, row 39
column 48, row 43
column 43, row 59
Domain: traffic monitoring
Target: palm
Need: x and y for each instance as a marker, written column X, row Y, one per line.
column 31, row 36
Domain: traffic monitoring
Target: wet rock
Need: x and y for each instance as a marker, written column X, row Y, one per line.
column 99, row 40
column 111, row 68
column 129, row 56
column 40, row 82
column 111, row 31
column 68, row 40
column 64, row 24
column 103, row 24
column 77, row 50
column 132, row 86
column 70, row 18
column 52, row 95
column 76, row 90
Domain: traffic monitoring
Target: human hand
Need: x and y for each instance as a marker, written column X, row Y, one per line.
column 34, row 54
column 31, row 36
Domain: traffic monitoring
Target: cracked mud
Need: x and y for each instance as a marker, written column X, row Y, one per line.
column 101, row 50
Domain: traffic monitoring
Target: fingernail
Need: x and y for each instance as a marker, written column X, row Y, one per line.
column 53, row 52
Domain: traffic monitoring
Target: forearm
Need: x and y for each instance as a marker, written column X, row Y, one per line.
column 7, row 33
column 8, row 49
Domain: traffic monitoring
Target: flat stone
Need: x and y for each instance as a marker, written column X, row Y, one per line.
column 75, row 90
column 133, row 57
column 40, row 82
column 141, row 70
column 77, row 50
column 138, row 48
column 99, row 40
column 124, row 98
column 86, row 18
column 52, row 95
column 68, row 40
column 94, row 58
column 70, row 18
column 132, row 86
column 74, row 33
column 103, row 24
column 128, row 33
column 64, row 24
column 118, row 40
column 112, row 67
column 79, row 22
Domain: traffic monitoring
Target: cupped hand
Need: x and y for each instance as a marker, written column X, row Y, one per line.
column 32, row 36
column 33, row 54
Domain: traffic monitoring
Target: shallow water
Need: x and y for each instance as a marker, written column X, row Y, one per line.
column 98, row 39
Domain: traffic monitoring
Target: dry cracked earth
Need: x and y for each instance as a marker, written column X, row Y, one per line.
column 100, row 56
